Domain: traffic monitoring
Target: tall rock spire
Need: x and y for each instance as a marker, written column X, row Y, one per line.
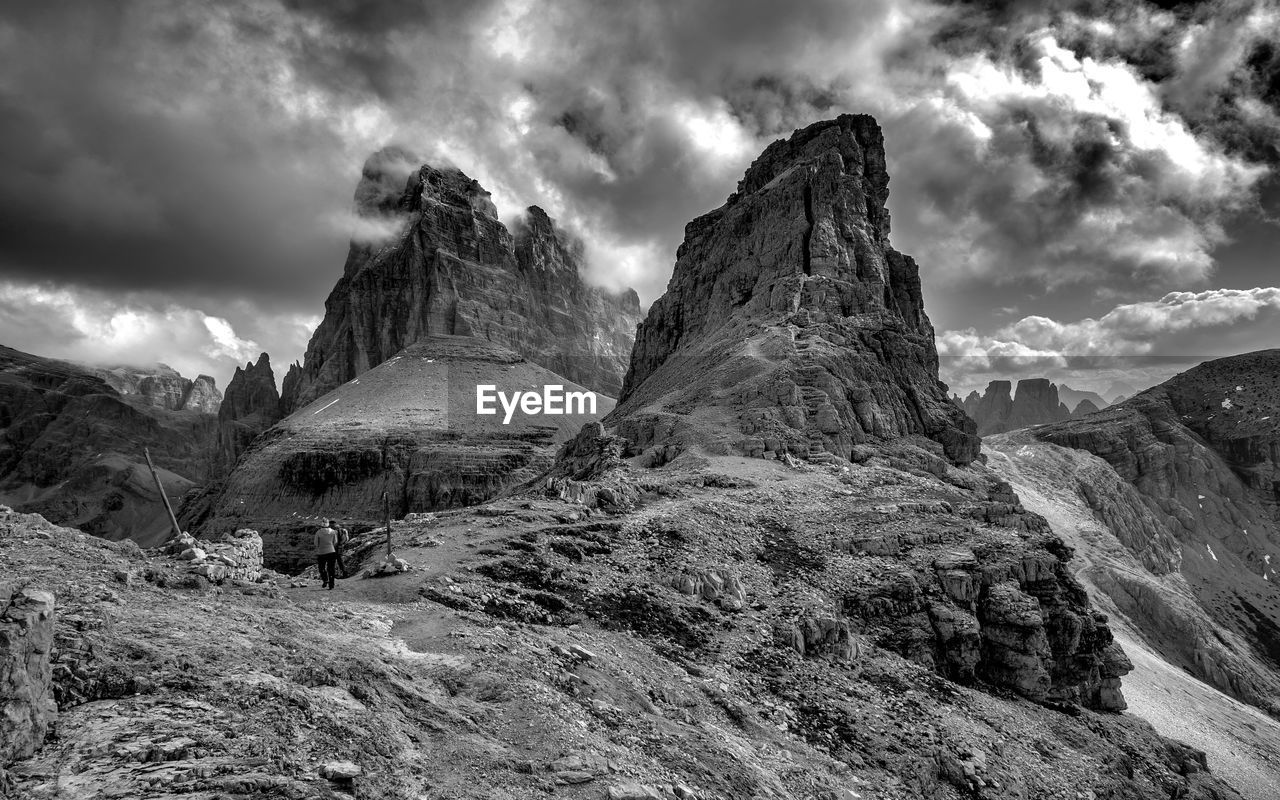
column 250, row 406
column 790, row 324
column 450, row 267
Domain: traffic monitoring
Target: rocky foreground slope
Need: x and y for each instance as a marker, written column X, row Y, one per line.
column 406, row 428
column 744, row 629
column 790, row 324
column 71, row 445
column 454, row 269
column 1185, row 475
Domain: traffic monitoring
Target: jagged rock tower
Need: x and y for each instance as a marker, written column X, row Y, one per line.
column 455, row 270
column 790, row 324
column 250, row 406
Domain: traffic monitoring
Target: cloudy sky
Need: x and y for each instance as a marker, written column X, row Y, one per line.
column 1090, row 188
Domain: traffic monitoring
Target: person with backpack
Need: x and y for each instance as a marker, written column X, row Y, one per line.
column 326, row 548
column 344, row 536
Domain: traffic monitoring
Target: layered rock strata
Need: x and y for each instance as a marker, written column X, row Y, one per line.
column 790, row 325
column 406, row 428
column 1194, row 492
column 452, row 268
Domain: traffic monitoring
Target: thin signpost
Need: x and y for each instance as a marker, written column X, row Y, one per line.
column 386, row 505
column 163, row 497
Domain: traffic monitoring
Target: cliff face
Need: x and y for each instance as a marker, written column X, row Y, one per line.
column 250, row 406
column 71, row 449
column 790, row 323
column 406, row 428
column 453, row 269
column 1201, row 452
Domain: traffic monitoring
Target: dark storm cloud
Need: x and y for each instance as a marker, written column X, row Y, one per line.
column 205, row 154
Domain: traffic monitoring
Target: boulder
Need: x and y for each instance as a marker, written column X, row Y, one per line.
column 340, row 771
column 27, row 706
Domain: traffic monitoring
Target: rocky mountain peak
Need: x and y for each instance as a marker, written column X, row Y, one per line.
column 450, row 186
column 383, row 181
column 853, row 141
column 250, row 406
column 453, row 269
column 541, row 247
column 1001, row 409
column 788, row 306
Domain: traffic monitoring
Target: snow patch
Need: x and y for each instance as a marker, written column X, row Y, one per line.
column 1211, row 553
column 1226, row 403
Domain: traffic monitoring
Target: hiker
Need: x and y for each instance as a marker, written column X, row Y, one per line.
column 344, row 536
column 326, row 546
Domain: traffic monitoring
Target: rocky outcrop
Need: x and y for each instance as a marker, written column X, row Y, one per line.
column 237, row 556
column 1194, row 490
column 1010, row 614
column 163, row 387
column 250, row 406
column 451, row 268
column 408, row 429
column 1036, row 402
column 71, row 449
column 790, row 325
column 27, row 708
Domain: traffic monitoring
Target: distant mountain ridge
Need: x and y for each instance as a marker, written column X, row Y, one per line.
column 1194, row 496
column 1037, row 401
column 163, row 387
column 71, row 442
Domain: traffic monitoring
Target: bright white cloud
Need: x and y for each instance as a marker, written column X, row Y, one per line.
column 1133, row 329
column 93, row 327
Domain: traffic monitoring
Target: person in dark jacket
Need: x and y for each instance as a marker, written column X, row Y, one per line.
column 326, row 547
column 344, row 536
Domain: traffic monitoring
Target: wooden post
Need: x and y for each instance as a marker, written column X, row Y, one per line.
column 164, row 498
column 386, row 503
